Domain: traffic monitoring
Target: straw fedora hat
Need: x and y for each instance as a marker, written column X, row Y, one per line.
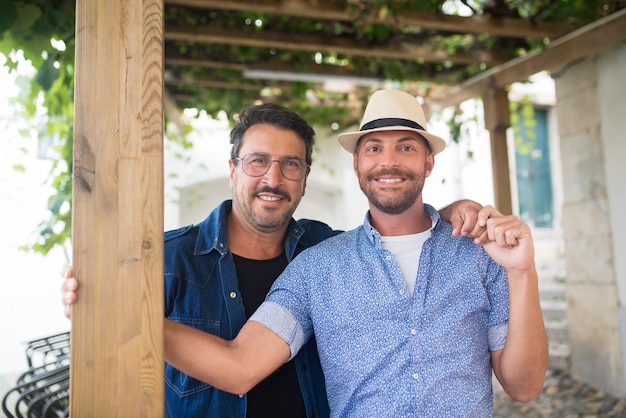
column 392, row 110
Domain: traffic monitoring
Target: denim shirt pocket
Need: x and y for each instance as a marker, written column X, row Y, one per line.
column 181, row 383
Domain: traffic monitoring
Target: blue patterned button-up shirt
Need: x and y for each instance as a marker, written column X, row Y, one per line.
column 384, row 353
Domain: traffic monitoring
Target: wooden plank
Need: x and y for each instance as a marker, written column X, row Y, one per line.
column 117, row 339
column 265, row 39
column 497, row 121
column 592, row 39
column 328, row 10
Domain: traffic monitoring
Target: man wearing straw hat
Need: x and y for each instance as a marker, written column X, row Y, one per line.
column 409, row 320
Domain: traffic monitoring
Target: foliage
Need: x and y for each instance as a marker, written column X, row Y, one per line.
column 462, row 125
column 30, row 25
column 523, row 119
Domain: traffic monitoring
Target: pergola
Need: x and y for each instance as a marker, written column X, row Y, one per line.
column 130, row 65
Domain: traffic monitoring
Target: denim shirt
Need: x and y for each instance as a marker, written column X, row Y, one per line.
column 201, row 290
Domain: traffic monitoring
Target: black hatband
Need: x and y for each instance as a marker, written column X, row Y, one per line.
column 386, row 122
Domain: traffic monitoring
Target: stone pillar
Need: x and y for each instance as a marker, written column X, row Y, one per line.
column 591, row 106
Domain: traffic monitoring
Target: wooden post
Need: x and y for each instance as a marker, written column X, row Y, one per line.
column 497, row 121
column 117, row 337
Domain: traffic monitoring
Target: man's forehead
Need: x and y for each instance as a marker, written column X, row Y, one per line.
column 267, row 140
column 397, row 135
column 271, row 146
column 392, row 134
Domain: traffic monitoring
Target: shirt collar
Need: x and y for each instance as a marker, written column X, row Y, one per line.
column 213, row 235
column 374, row 236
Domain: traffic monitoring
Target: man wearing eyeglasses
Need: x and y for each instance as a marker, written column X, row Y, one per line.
column 219, row 271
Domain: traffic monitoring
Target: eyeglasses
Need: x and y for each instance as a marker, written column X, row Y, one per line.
column 257, row 164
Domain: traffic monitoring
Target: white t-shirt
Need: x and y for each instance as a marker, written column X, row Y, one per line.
column 407, row 250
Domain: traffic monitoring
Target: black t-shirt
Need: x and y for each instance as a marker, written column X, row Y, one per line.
column 279, row 394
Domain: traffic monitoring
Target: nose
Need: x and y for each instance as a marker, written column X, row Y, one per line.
column 389, row 158
column 274, row 176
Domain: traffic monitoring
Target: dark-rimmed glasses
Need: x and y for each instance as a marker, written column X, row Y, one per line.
column 256, row 164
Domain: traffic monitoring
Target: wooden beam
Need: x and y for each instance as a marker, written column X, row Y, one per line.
column 117, row 335
column 180, row 61
column 497, row 121
column 280, row 65
column 406, row 18
column 275, row 67
column 216, row 84
column 592, row 39
column 294, row 42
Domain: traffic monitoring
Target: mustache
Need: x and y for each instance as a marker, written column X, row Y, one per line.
column 389, row 172
column 273, row 190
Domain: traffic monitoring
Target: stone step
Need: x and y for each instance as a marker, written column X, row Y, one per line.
column 557, row 332
column 553, row 299
column 552, row 291
column 554, row 310
column 559, row 356
column 558, row 344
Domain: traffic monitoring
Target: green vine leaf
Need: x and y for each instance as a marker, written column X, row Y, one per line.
column 8, row 15
column 47, row 73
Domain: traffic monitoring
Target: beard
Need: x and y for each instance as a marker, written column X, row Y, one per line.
column 395, row 204
column 267, row 220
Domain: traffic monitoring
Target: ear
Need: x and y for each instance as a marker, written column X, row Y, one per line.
column 429, row 164
column 232, row 169
column 308, row 170
column 355, row 162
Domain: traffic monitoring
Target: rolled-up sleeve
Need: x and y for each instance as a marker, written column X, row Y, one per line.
column 497, row 336
column 283, row 323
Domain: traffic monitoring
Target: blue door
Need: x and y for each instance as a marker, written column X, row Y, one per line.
column 534, row 178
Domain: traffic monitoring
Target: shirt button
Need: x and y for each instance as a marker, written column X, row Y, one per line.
column 413, row 331
column 415, row 376
column 233, row 295
column 388, row 257
column 402, row 291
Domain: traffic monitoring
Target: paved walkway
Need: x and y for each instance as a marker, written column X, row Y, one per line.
column 562, row 397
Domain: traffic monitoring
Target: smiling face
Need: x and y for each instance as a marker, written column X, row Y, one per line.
column 391, row 167
column 266, row 203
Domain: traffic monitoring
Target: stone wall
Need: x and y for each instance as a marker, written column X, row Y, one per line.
column 591, row 107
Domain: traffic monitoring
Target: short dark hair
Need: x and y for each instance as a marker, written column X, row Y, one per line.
column 275, row 115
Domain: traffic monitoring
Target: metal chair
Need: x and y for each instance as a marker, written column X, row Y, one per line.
column 42, row 391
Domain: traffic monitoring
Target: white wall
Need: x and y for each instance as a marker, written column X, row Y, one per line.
column 456, row 174
column 30, row 303
column 186, row 199
column 591, row 102
column 612, row 90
